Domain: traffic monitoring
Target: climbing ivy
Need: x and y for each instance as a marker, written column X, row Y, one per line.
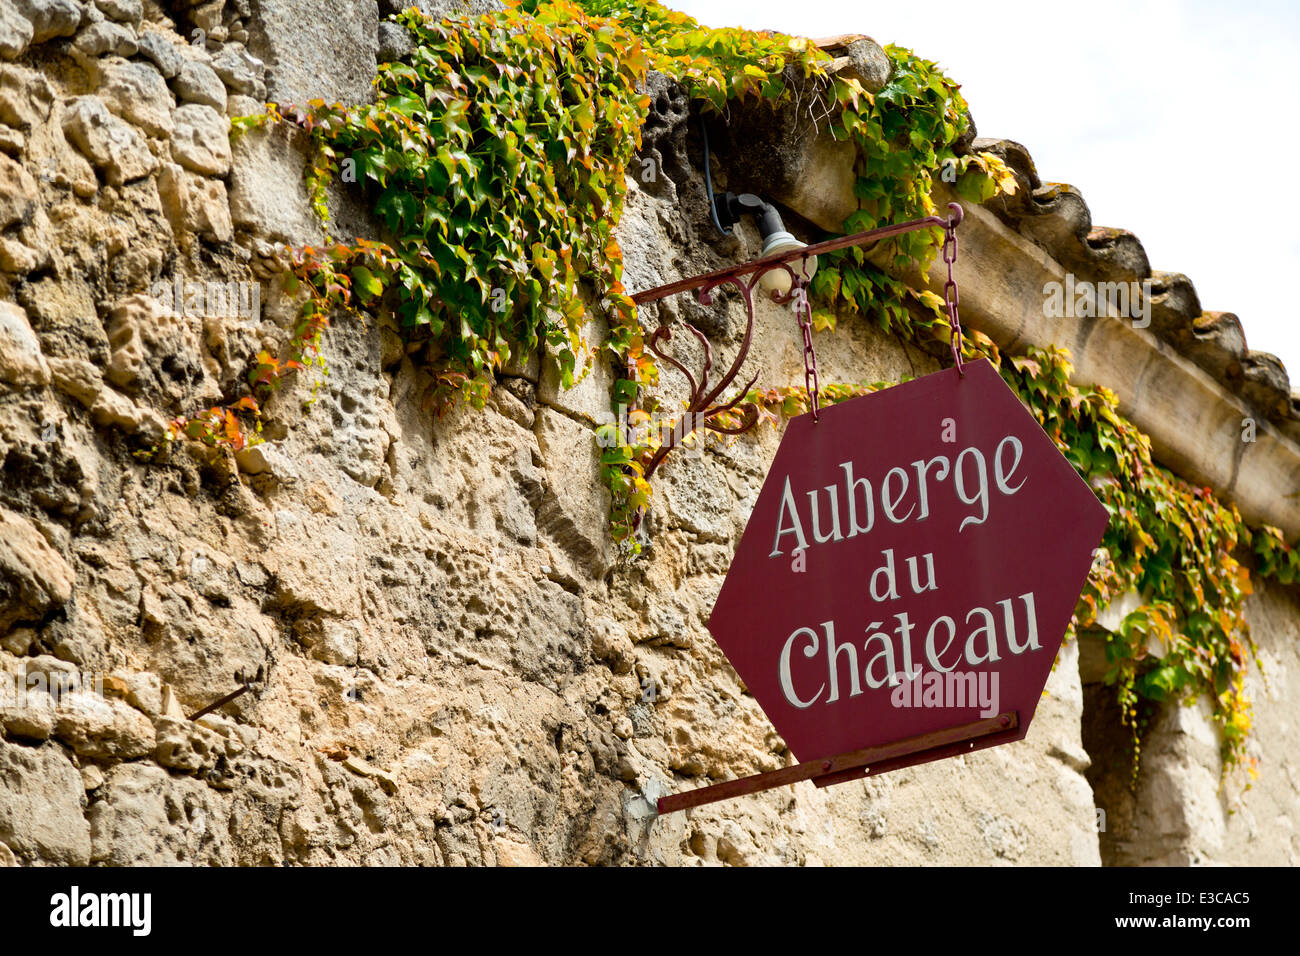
column 496, row 160
column 904, row 134
column 1172, row 544
column 1169, row 542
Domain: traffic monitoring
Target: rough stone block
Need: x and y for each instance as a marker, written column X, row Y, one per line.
column 41, row 798
column 33, row 576
column 112, row 145
column 319, row 51
column 202, row 140
column 573, row 510
column 21, row 362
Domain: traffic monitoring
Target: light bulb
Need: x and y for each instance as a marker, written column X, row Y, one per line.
column 777, row 281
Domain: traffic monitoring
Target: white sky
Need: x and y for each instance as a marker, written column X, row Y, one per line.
column 1175, row 120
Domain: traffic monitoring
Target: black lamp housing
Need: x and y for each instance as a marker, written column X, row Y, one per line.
column 733, row 206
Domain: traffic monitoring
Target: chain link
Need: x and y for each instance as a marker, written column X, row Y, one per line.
column 950, row 295
column 804, row 311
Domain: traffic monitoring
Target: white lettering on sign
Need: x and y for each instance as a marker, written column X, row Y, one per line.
column 905, row 495
column 787, row 682
column 944, row 647
column 818, row 668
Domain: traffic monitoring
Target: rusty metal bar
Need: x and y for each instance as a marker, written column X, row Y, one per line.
column 830, row 245
column 218, row 703
column 854, row 760
column 700, row 410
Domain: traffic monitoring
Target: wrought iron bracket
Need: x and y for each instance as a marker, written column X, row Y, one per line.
column 701, row 410
column 847, row 766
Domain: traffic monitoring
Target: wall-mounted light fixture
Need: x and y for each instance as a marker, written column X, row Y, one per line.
column 776, row 239
column 783, row 270
column 792, row 264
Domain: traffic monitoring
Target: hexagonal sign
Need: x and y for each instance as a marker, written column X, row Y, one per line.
column 911, row 565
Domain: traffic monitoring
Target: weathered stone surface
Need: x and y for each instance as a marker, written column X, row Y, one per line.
column 588, row 399
column 115, row 409
column 124, row 326
column 41, row 800
column 25, row 96
column 194, row 204
column 32, row 718
column 394, row 42
column 144, row 692
column 338, row 643
column 696, row 494
column 123, row 11
column 129, row 823
column 198, row 83
column 137, row 93
column 240, row 70
column 18, row 641
column 860, row 58
column 33, row 576
column 1265, row 384
column 50, row 18
column 187, row 746
column 567, row 511
column 315, row 52
column 15, row 31
column 77, row 378
column 267, row 459
column 25, row 247
column 107, row 37
column 101, row 727
column 238, row 105
column 202, row 142
column 1218, row 342
column 21, row 360
column 112, row 145
column 267, row 194
column 870, row 62
column 18, row 196
column 162, row 51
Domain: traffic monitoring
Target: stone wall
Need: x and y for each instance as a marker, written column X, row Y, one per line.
column 450, row 663
column 1181, row 811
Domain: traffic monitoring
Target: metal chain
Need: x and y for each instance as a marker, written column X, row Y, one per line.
column 809, row 354
column 950, row 295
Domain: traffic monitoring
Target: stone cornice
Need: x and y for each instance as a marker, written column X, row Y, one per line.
column 1187, row 379
column 1195, row 424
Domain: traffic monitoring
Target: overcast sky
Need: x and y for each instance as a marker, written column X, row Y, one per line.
column 1176, row 121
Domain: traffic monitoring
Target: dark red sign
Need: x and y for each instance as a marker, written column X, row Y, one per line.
column 911, row 564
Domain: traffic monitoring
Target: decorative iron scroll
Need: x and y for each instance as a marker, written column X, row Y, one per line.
column 700, row 411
